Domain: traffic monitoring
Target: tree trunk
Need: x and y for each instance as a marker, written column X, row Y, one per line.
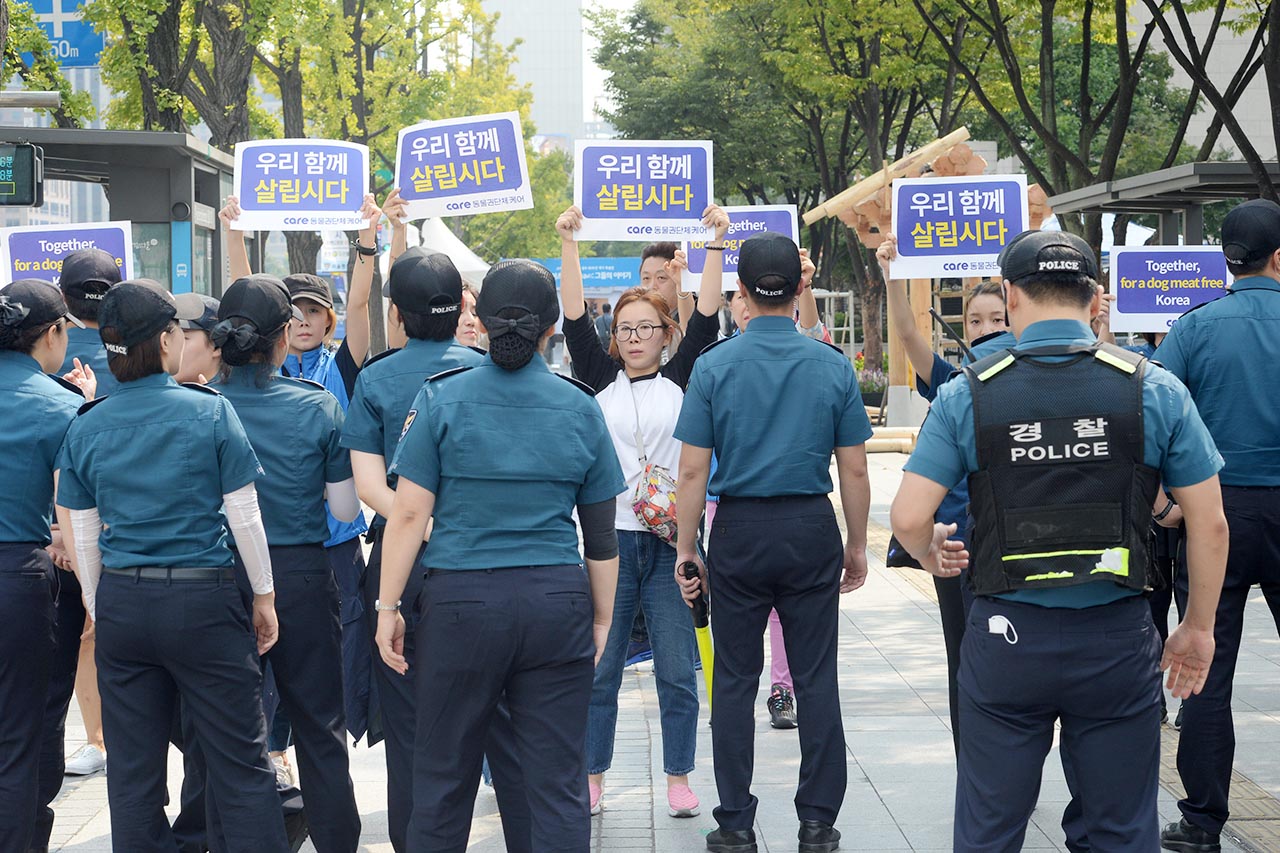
column 221, row 94
column 302, row 247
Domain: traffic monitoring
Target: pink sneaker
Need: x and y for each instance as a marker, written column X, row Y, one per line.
column 681, row 801
column 595, row 792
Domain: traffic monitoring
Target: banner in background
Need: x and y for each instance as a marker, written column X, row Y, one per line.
column 36, row 251
column 1154, row 285
column 955, row 227
column 642, row 191
column 300, row 184
column 744, row 222
column 463, row 166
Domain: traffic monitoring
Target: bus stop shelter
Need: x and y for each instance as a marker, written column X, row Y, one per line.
column 169, row 185
column 1178, row 194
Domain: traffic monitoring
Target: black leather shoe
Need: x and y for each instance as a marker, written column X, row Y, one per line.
column 817, row 837
column 1186, row 837
column 732, row 841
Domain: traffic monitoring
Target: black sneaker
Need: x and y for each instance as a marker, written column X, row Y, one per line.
column 731, row 841
column 782, row 708
column 1184, row 837
column 1176, row 725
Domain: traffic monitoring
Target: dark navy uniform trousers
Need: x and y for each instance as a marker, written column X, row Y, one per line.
column 161, row 639
column 1207, row 747
column 519, row 635
column 783, row 553
column 1096, row 671
column 69, row 624
column 397, row 698
column 26, row 653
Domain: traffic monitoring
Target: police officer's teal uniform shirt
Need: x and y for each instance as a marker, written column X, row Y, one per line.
column 294, row 427
column 86, row 345
column 385, row 391
column 772, row 403
column 508, row 454
column 1225, row 352
column 36, row 412
column 1175, row 442
column 156, row 458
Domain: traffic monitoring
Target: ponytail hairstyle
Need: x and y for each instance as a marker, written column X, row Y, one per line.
column 241, row 343
column 516, row 306
column 652, row 298
column 17, row 338
column 252, row 317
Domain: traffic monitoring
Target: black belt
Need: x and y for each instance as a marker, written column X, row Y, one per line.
column 768, row 500
column 175, row 574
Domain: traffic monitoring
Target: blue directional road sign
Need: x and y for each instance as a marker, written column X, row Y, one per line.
column 75, row 43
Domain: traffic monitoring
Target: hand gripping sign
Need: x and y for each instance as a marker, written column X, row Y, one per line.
column 463, row 166
column 300, row 184
column 744, row 222
column 642, row 191
column 36, row 251
column 955, row 227
column 1154, row 285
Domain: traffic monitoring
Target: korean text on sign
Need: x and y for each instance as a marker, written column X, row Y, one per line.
column 301, row 184
column 745, row 222
column 463, row 166
column 955, row 227
column 642, row 190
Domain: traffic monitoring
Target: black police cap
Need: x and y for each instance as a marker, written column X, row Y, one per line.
column 135, row 311
column 769, row 254
column 1250, row 232
column 30, row 303
column 1046, row 252
column 88, row 274
column 261, row 299
column 196, row 311
column 527, row 287
column 424, row 282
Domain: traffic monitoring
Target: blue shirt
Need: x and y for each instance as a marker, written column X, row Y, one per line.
column 1226, row 352
column 86, row 345
column 773, row 404
column 508, row 454
column 1175, row 442
column 36, row 412
column 321, row 365
column 156, row 458
column 386, row 389
column 294, row 428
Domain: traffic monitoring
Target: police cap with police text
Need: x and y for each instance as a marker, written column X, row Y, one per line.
column 30, row 303
column 1250, row 232
column 1046, row 252
column 424, row 282
column 135, row 311
column 769, row 254
column 88, row 274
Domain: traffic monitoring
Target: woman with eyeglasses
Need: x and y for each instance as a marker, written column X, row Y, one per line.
column 641, row 397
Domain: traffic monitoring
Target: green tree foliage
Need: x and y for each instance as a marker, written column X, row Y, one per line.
column 28, row 54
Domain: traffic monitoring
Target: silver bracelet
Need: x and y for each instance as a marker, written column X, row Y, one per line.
column 392, row 608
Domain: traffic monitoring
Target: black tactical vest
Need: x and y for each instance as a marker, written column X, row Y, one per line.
column 1061, row 496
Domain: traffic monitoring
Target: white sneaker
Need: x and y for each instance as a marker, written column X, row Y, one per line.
column 284, row 773
column 86, row 761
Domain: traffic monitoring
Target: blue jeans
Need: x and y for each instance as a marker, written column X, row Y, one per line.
column 646, row 579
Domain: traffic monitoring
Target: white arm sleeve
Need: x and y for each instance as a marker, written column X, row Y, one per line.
column 344, row 503
column 86, row 527
column 241, row 507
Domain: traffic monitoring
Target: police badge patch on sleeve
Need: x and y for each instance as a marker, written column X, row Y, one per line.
column 408, row 422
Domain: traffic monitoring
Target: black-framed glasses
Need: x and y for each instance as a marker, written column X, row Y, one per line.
column 642, row 332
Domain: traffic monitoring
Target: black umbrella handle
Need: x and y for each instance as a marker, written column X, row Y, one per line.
column 700, row 617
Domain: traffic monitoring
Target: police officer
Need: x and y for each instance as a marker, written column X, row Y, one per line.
column 294, row 426
column 775, row 542
column 506, row 607
column 1222, row 351
column 145, row 477
column 426, row 297
column 36, row 411
column 1065, row 442
column 85, row 278
column 201, row 359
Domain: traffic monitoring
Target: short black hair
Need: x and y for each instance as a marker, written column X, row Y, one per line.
column 429, row 327
column 606, row 308
column 1236, row 270
column 664, row 250
column 1063, row 287
column 141, row 360
column 83, row 309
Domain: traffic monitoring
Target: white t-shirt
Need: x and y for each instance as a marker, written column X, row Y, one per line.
column 657, row 400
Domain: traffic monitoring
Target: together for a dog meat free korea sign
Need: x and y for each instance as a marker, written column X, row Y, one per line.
column 463, row 166
column 955, row 227
column 1154, row 285
column 36, row 251
column 744, row 222
column 300, row 184
column 642, row 191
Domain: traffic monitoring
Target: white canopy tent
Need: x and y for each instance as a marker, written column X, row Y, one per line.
column 433, row 234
